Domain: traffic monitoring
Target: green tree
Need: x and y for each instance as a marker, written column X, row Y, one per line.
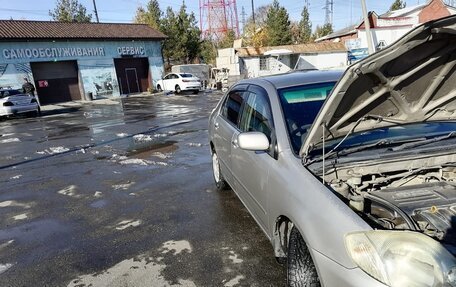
column 321, row 31
column 70, row 11
column 397, row 4
column 305, row 27
column 151, row 15
column 183, row 44
column 208, row 52
column 278, row 25
column 227, row 41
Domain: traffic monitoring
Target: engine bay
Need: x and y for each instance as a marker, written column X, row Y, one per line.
column 417, row 194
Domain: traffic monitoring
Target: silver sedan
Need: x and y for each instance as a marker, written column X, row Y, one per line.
column 351, row 176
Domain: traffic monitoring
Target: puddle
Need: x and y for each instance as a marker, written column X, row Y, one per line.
column 145, row 151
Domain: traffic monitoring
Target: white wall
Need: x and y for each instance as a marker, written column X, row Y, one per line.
column 323, row 61
column 389, row 35
column 227, row 58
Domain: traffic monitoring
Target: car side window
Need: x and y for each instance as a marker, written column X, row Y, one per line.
column 166, row 77
column 232, row 106
column 257, row 116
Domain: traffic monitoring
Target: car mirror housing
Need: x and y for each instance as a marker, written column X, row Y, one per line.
column 254, row 141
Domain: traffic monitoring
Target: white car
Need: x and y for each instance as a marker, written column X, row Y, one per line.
column 179, row 82
column 14, row 102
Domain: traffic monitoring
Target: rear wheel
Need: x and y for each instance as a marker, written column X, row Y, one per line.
column 178, row 89
column 220, row 182
column 301, row 271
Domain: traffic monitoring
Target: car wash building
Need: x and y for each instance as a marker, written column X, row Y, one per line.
column 79, row 61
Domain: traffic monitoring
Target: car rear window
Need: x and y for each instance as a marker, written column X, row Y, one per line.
column 300, row 106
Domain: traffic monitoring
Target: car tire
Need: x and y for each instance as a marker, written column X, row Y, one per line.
column 178, row 89
column 220, row 182
column 159, row 89
column 301, row 271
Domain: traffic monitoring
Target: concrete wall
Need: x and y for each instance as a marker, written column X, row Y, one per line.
column 336, row 60
column 389, row 35
column 94, row 59
column 227, row 58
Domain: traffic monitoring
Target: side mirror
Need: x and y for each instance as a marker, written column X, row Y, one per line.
column 254, row 141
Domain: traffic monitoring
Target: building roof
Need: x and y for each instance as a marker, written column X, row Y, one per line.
column 339, row 33
column 411, row 9
column 50, row 30
column 294, row 49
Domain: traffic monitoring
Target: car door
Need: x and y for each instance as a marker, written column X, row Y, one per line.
column 226, row 127
column 166, row 80
column 250, row 169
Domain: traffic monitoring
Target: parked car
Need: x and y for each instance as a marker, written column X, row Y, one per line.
column 351, row 176
column 14, row 102
column 179, row 82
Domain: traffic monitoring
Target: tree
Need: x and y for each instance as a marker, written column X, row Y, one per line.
column 183, row 43
column 151, row 15
column 305, row 27
column 228, row 40
column 278, row 25
column 208, row 52
column 321, row 31
column 397, row 4
column 70, row 11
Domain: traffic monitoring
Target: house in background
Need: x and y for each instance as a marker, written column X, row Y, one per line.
column 387, row 28
column 250, row 62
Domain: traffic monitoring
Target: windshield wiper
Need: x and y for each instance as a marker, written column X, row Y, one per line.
column 423, row 142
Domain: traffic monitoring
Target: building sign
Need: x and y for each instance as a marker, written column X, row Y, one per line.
column 43, row 84
column 36, row 53
column 357, row 54
column 131, row 50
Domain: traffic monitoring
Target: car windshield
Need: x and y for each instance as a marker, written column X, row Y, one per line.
column 300, row 106
column 7, row 93
column 186, row 75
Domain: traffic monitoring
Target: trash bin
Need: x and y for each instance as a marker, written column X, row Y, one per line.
column 219, row 85
column 89, row 96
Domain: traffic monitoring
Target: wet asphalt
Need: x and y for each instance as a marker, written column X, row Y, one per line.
column 120, row 193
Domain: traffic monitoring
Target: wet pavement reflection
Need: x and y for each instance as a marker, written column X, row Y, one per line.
column 121, row 194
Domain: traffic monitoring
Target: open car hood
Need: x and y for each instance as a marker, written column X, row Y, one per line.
column 410, row 81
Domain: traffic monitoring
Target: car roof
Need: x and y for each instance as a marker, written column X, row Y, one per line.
column 297, row 78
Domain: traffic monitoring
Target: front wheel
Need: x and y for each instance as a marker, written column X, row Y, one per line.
column 159, row 88
column 220, row 182
column 301, row 271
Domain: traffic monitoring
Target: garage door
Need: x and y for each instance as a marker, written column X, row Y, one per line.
column 56, row 82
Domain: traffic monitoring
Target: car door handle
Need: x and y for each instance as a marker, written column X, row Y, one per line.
column 216, row 125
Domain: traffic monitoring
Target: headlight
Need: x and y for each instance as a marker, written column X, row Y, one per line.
column 402, row 258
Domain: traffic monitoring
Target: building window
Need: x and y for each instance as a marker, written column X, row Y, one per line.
column 264, row 63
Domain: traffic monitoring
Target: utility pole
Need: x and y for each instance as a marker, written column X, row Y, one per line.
column 370, row 45
column 253, row 16
column 95, row 10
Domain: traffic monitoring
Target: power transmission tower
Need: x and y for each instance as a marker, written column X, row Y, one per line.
column 243, row 14
column 329, row 10
column 217, row 18
column 307, row 4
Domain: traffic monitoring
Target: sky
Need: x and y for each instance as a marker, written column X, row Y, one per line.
column 346, row 12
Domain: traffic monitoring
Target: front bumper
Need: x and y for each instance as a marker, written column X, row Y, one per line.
column 333, row 274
